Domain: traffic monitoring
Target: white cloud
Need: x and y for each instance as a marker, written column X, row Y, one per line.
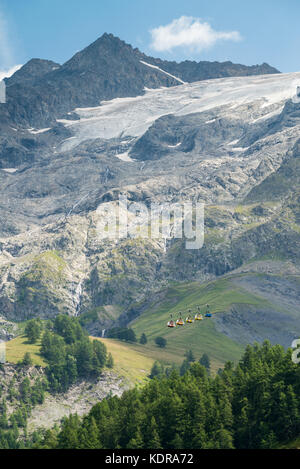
column 8, row 73
column 189, row 32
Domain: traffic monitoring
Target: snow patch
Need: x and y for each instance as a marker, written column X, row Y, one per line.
column 9, row 170
column 239, row 149
column 125, row 157
column 163, row 71
column 40, row 131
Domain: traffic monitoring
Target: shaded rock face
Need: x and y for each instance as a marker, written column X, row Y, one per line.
column 248, row 324
column 31, row 71
column 190, row 71
column 186, row 134
column 232, row 143
column 7, row 330
column 284, row 181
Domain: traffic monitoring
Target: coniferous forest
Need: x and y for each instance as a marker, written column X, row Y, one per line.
column 69, row 355
column 252, row 405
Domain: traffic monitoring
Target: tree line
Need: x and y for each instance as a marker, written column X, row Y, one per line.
column 251, row 405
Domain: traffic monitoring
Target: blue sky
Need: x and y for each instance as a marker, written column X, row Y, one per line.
column 243, row 31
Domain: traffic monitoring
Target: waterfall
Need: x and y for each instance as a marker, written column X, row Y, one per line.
column 103, row 333
column 77, row 296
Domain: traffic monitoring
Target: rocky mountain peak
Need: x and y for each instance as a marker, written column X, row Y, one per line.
column 105, row 50
column 32, row 70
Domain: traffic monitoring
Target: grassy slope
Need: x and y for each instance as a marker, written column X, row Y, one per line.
column 129, row 360
column 16, row 349
column 201, row 337
column 134, row 361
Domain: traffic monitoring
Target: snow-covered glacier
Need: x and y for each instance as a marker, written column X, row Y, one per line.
column 132, row 117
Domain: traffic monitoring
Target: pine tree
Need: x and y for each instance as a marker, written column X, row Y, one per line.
column 224, row 439
column 69, row 435
column 156, row 370
column 177, row 442
column 184, row 367
column 270, row 441
column 152, row 436
column 143, row 339
column 110, row 361
column 33, row 330
column 71, row 368
column 25, row 390
column 190, row 356
column 200, row 439
column 205, row 361
column 27, row 360
column 89, row 435
column 50, row 440
column 137, row 441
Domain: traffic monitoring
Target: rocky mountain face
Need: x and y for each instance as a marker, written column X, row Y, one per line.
column 43, row 91
column 80, row 398
column 191, row 71
column 106, row 69
column 232, row 143
column 31, row 71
